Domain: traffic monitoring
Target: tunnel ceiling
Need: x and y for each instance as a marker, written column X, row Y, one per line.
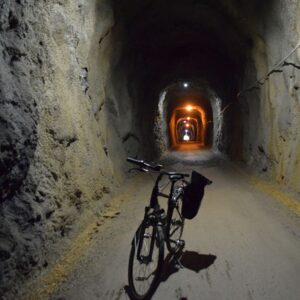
column 169, row 40
column 178, row 96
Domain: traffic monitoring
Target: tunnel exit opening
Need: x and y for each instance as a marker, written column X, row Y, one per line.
column 187, row 126
column 188, row 117
column 188, row 130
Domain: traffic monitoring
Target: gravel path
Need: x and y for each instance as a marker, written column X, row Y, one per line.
column 242, row 245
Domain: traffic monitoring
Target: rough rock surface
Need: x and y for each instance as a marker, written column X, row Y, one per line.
column 56, row 159
column 270, row 99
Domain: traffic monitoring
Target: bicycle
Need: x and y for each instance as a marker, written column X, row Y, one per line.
column 147, row 247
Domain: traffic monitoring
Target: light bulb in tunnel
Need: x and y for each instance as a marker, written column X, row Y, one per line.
column 188, row 118
column 185, row 85
column 186, row 137
column 188, row 107
column 187, row 125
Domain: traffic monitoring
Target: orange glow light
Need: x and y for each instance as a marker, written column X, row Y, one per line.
column 175, row 121
column 187, row 125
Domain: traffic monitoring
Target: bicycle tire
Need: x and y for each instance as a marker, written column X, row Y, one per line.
column 144, row 234
column 175, row 225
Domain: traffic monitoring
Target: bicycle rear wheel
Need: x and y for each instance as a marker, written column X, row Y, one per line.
column 175, row 224
column 145, row 262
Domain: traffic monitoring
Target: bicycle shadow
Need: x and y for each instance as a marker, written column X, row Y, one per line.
column 189, row 260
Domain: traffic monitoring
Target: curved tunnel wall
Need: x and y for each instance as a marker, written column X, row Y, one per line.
column 172, row 107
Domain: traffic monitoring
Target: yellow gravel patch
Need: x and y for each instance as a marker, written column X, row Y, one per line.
column 272, row 190
column 280, row 196
column 47, row 284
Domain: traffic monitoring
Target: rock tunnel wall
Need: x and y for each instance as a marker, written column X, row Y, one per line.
column 270, row 97
column 61, row 151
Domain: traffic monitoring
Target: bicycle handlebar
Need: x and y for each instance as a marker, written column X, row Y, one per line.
column 144, row 165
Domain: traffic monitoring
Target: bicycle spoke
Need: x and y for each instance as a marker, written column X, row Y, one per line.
column 144, row 270
column 175, row 226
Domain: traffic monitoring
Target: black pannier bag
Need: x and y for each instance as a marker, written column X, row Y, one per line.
column 193, row 195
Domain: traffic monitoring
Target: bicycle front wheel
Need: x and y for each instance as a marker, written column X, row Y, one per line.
column 175, row 224
column 145, row 262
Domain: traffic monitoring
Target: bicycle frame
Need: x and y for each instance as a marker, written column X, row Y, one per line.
column 156, row 193
column 155, row 217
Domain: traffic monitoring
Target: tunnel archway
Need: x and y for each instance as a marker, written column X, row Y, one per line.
column 185, row 46
column 188, row 124
column 189, row 129
column 195, row 110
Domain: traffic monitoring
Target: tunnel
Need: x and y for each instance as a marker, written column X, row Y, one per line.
column 84, row 84
column 186, row 47
column 186, row 116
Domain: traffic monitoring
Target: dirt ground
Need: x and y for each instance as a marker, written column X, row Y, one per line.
column 244, row 244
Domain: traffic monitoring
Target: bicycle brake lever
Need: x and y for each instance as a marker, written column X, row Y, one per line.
column 138, row 169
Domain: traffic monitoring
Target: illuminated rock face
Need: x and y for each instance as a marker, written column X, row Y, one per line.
column 270, row 108
column 55, row 127
column 80, row 83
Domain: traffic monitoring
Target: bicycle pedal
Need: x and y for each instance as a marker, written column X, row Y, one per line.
column 177, row 263
column 180, row 243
